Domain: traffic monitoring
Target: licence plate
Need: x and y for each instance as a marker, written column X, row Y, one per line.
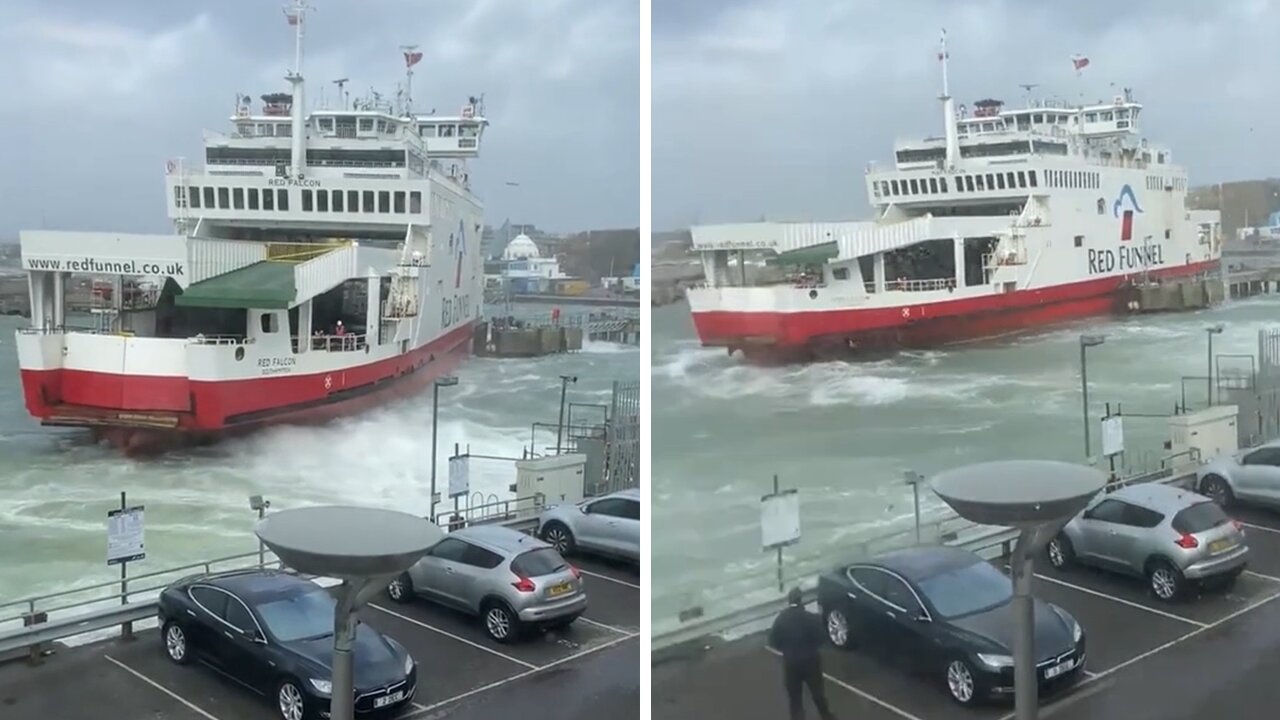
column 560, row 589
column 386, row 700
column 1218, row 546
column 1056, row 670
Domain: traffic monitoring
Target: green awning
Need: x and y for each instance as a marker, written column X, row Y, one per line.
column 266, row 285
column 812, row 255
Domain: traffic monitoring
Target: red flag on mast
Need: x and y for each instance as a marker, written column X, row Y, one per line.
column 412, row 58
column 292, row 17
column 1079, row 61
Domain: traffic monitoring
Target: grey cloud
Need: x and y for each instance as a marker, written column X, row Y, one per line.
column 774, row 108
column 102, row 94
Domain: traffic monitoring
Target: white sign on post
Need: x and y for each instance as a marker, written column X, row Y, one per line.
column 125, row 535
column 1112, row 436
column 780, row 519
column 459, row 476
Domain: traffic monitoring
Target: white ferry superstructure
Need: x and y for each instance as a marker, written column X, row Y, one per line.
column 322, row 264
column 1014, row 220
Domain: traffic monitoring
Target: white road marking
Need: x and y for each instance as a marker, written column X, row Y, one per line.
column 159, row 687
column 1263, row 528
column 518, row 676
column 1272, row 578
column 599, row 624
column 1090, row 674
column 1122, row 601
column 610, row 578
column 459, row 638
column 861, row 693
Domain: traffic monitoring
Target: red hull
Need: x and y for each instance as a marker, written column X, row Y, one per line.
column 802, row 335
column 216, row 410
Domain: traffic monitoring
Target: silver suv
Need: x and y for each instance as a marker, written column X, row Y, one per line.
column 606, row 525
column 1251, row 477
column 512, row 580
column 1170, row 536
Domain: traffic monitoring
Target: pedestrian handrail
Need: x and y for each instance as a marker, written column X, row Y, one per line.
column 989, row 542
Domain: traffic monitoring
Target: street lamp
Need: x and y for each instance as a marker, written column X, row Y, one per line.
column 258, row 504
column 446, row 381
column 564, row 388
column 1087, row 341
column 1211, row 331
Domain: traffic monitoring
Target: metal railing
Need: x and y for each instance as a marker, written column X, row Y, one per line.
column 932, row 526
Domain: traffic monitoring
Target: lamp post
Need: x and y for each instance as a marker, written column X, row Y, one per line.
column 564, row 388
column 914, row 479
column 257, row 503
column 1211, row 331
column 446, row 381
column 1087, row 341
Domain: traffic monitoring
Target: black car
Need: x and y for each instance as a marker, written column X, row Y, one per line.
column 273, row 632
column 946, row 612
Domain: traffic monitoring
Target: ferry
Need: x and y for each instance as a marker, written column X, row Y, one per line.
column 1015, row 219
column 322, row 263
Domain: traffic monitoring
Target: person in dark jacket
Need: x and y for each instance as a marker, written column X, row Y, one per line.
column 797, row 634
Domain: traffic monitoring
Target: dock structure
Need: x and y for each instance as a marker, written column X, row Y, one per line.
column 535, row 335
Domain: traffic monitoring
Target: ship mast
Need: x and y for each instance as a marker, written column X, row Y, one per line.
column 948, row 108
column 298, row 149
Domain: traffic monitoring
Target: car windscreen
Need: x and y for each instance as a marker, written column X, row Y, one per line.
column 966, row 590
column 1199, row 517
column 297, row 616
column 535, row 563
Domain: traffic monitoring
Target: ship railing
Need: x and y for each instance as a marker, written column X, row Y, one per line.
column 202, row 339
column 349, row 342
column 906, row 285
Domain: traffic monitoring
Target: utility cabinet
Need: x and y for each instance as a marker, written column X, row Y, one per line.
column 558, row 478
column 1211, row 431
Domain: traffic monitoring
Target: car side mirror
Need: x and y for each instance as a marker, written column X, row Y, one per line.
column 256, row 636
column 923, row 618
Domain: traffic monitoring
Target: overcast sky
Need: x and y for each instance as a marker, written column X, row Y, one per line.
column 774, row 107
column 98, row 95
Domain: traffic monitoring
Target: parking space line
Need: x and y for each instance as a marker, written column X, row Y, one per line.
column 159, row 687
column 1272, row 578
column 459, row 638
column 1264, row 528
column 609, row 578
column 861, row 693
column 518, row 676
column 1122, row 601
column 599, row 624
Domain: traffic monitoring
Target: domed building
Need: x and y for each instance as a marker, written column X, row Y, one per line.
column 521, row 247
column 523, row 270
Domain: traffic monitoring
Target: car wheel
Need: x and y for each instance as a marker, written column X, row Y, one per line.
column 175, row 643
column 290, row 701
column 500, row 622
column 962, row 684
column 560, row 537
column 401, row 589
column 1164, row 580
column 838, row 631
column 1217, row 488
column 1061, row 553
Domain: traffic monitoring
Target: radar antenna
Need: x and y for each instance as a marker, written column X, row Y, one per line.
column 343, row 95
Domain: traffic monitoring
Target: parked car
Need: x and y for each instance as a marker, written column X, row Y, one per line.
column 945, row 612
column 1250, row 477
column 273, row 632
column 511, row 580
column 1170, row 536
column 605, row 525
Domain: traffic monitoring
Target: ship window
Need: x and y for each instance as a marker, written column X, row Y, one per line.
column 415, row 201
column 1022, row 179
column 366, row 124
column 1037, row 118
column 284, row 130
column 884, row 188
column 384, row 201
column 306, row 201
column 893, row 184
column 1102, row 206
column 1167, row 233
column 933, row 185
column 968, row 183
column 322, row 201
column 382, row 125
column 399, row 201
column 1160, row 158
column 268, row 322
column 981, row 184
column 224, row 199
column 1000, row 181
column 1010, row 177
column 178, row 196
column 237, row 198
column 840, row 273
column 253, row 198
column 282, row 199
column 268, row 199
column 1031, row 178
column 1091, row 117
column 353, row 201
column 194, row 194
column 1107, row 116
column 446, row 130
column 337, row 201
column 991, row 181
column 326, row 124
column 1079, row 241
column 942, row 183
column 367, row 201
